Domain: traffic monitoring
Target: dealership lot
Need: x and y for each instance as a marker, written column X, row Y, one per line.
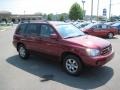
column 39, row 73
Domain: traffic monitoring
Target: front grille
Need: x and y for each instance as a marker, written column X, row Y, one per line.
column 106, row 50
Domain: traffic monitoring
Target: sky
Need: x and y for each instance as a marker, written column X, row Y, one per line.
column 56, row 6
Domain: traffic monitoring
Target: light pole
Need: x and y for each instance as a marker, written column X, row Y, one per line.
column 91, row 10
column 98, row 10
column 83, row 2
column 24, row 14
column 110, row 9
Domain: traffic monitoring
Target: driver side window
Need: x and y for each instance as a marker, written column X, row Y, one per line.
column 46, row 30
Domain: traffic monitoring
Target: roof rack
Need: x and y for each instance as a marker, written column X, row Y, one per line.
column 29, row 21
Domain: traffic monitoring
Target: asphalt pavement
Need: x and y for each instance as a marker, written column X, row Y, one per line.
column 39, row 73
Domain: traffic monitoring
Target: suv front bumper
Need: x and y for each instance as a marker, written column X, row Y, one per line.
column 99, row 60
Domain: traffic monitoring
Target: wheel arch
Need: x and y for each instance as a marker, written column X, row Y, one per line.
column 64, row 54
column 18, row 44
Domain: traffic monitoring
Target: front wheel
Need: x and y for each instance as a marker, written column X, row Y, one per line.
column 23, row 52
column 72, row 65
column 110, row 35
column 118, row 31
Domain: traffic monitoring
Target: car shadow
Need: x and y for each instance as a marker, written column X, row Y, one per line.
column 51, row 70
column 112, row 38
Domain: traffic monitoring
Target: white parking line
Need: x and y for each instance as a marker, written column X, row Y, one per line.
column 3, row 30
column 118, row 36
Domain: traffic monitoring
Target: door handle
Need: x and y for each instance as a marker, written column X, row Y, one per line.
column 49, row 44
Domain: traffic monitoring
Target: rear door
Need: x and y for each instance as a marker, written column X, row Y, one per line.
column 19, row 35
column 94, row 31
column 31, row 33
column 104, row 30
column 100, row 30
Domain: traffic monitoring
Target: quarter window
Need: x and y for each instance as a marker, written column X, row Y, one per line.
column 21, row 28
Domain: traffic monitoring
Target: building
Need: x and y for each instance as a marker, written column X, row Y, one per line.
column 8, row 16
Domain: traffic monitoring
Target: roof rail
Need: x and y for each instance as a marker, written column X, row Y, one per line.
column 28, row 21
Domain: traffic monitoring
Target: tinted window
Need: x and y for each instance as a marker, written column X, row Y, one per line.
column 104, row 26
column 21, row 28
column 46, row 31
column 90, row 26
column 33, row 29
column 116, row 24
column 94, row 27
column 108, row 26
column 101, row 26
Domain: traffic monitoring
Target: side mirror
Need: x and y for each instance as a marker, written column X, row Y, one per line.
column 53, row 36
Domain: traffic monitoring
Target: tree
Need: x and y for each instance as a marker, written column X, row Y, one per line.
column 49, row 17
column 76, row 12
column 61, row 18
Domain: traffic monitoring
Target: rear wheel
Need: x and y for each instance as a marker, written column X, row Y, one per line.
column 23, row 52
column 118, row 31
column 110, row 35
column 72, row 65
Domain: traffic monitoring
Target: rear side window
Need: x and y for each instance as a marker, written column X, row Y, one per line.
column 101, row 26
column 104, row 26
column 21, row 28
column 33, row 29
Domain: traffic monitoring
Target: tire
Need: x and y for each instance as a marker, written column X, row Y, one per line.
column 72, row 65
column 23, row 52
column 118, row 31
column 110, row 35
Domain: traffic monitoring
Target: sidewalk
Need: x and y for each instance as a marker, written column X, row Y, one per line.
column 4, row 28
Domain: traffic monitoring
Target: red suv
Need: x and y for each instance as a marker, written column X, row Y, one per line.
column 72, row 47
column 100, row 30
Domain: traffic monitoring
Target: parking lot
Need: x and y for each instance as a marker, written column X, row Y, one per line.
column 39, row 73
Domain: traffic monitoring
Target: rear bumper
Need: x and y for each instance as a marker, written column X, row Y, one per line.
column 99, row 60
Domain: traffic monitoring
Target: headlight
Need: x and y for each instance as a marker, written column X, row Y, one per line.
column 93, row 52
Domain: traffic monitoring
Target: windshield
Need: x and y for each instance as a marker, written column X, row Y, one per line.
column 68, row 31
column 81, row 25
column 89, row 26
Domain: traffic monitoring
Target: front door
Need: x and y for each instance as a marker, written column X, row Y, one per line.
column 48, row 45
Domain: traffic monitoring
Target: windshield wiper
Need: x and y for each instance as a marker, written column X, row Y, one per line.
column 78, row 35
column 73, row 36
column 69, row 37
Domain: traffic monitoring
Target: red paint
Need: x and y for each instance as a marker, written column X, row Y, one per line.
column 56, row 47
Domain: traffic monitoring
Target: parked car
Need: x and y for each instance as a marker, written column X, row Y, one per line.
column 100, row 30
column 109, row 23
column 117, row 26
column 73, row 48
column 82, row 25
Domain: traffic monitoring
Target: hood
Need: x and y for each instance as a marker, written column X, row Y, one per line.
column 89, row 41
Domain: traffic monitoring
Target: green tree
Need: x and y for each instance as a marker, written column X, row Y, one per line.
column 61, row 18
column 49, row 17
column 76, row 12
